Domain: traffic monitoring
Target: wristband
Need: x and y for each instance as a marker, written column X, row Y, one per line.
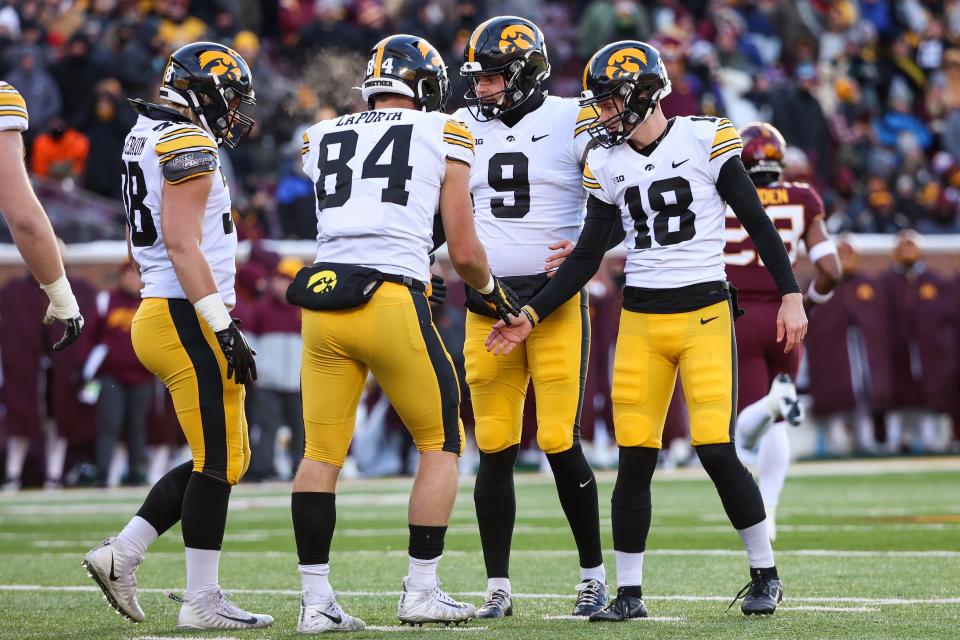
column 63, row 302
column 815, row 296
column 821, row 249
column 531, row 314
column 488, row 288
column 213, row 310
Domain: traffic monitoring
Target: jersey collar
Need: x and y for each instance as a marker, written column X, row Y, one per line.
column 650, row 148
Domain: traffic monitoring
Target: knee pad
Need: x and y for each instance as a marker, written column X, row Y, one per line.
column 494, row 437
column 555, row 439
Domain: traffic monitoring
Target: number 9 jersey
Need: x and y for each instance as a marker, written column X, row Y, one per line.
column 668, row 199
column 165, row 148
column 377, row 176
column 525, row 183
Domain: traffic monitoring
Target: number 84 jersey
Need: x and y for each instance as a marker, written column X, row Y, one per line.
column 525, row 183
column 668, row 200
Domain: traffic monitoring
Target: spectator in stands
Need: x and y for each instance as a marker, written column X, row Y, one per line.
column 61, row 152
column 106, row 125
column 76, row 73
column 276, row 325
column 38, row 88
column 603, row 22
column 177, row 26
column 126, row 388
column 798, row 115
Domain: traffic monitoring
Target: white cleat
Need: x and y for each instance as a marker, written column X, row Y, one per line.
column 327, row 616
column 213, row 610
column 783, row 396
column 113, row 570
column 432, row 606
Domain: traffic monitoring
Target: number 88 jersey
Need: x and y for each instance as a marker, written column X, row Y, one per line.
column 668, row 199
column 164, row 148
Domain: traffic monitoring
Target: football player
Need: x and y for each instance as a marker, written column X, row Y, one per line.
column 380, row 177
column 767, row 396
column 182, row 240
column 668, row 183
column 28, row 223
column 525, row 183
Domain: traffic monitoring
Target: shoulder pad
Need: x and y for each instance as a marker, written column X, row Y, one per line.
column 191, row 164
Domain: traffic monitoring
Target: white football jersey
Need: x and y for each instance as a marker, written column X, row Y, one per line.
column 525, row 183
column 13, row 109
column 669, row 204
column 377, row 176
column 149, row 145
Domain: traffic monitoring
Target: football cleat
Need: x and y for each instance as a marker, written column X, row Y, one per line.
column 783, row 396
column 623, row 607
column 592, row 596
column 213, row 610
column 327, row 616
column 760, row 596
column 113, row 570
column 499, row 604
column 432, row 606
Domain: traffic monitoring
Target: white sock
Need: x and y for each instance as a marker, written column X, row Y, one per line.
column 629, row 569
column 894, row 423
column 159, row 457
column 503, row 584
column 757, row 541
column 316, row 583
column 422, row 574
column 137, row 536
column 593, row 573
column 752, row 422
column 118, row 462
column 773, row 459
column 56, row 454
column 17, row 447
column 203, row 570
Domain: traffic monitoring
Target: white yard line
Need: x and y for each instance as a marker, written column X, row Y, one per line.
column 647, row 619
column 830, row 609
column 827, row 600
column 461, row 629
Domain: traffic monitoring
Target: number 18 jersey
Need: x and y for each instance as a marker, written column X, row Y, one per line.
column 668, row 200
column 377, row 176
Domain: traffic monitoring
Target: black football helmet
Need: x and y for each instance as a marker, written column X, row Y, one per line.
column 630, row 70
column 512, row 47
column 212, row 81
column 409, row 66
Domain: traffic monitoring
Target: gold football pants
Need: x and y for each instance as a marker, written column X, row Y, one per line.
column 175, row 344
column 394, row 338
column 650, row 349
column 554, row 356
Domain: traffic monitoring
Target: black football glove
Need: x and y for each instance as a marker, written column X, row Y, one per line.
column 438, row 290
column 71, row 331
column 502, row 300
column 240, row 363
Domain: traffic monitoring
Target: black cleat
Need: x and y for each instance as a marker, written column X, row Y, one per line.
column 592, row 596
column 761, row 595
column 623, row 607
column 498, row 605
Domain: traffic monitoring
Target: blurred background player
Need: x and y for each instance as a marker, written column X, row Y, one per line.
column 182, row 240
column 366, row 311
column 529, row 204
column 767, row 395
column 28, row 223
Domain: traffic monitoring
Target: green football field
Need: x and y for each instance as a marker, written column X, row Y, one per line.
column 866, row 550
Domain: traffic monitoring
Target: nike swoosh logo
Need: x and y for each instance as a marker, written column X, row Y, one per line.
column 333, row 619
column 535, row 138
column 583, row 484
column 113, row 576
column 250, row 620
column 677, row 164
column 702, row 321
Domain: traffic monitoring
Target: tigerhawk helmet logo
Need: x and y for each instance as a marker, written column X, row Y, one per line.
column 516, row 36
column 625, row 62
column 219, row 63
column 322, row 282
column 429, row 53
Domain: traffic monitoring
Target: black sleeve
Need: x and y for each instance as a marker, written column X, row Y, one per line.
column 579, row 267
column 439, row 233
column 735, row 186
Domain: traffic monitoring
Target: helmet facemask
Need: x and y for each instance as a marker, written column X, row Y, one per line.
column 640, row 98
column 493, row 105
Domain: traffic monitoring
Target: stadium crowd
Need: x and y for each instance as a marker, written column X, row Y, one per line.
column 867, row 93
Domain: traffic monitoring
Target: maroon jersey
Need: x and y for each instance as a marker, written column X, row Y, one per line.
column 793, row 207
column 23, row 347
column 117, row 309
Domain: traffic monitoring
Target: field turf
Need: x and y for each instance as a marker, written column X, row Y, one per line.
column 866, row 550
